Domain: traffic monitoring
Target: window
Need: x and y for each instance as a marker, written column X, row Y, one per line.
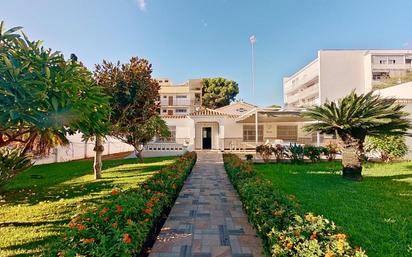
column 169, row 112
column 164, row 110
column 164, row 96
column 172, row 137
column 380, row 75
column 391, row 61
column 181, row 96
column 249, row 133
column 287, row 133
column 241, row 109
column 382, row 61
column 181, row 110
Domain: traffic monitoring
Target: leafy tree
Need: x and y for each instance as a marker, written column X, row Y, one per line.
column 134, row 118
column 388, row 147
column 275, row 106
column 218, row 92
column 353, row 118
column 43, row 97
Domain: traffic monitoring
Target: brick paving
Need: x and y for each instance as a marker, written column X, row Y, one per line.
column 207, row 219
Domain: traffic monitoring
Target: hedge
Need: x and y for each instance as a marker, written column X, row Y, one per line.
column 127, row 220
column 284, row 229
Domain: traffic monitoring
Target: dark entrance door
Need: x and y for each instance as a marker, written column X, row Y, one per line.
column 207, row 138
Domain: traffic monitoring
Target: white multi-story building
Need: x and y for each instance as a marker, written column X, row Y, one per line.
column 335, row 73
column 179, row 99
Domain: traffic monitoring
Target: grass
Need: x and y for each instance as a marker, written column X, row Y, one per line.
column 376, row 213
column 37, row 204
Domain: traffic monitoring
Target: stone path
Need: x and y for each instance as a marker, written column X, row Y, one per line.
column 207, row 219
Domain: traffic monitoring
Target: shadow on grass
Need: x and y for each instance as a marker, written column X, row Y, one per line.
column 35, row 247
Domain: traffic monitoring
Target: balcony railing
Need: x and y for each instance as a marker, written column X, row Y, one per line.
column 179, row 102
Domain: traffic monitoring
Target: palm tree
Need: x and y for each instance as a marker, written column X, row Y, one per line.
column 353, row 118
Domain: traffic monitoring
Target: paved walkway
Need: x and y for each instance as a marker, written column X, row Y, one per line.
column 207, row 219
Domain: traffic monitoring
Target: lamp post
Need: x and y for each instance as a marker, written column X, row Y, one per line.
column 252, row 40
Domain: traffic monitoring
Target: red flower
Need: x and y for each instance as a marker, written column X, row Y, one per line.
column 119, row 209
column 81, row 227
column 114, row 225
column 115, row 192
column 127, row 239
column 129, row 221
column 103, row 211
column 88, row 240
column 148, row 210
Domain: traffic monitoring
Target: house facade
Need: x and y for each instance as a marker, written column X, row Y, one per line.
column 238, row 126
column 335, row 73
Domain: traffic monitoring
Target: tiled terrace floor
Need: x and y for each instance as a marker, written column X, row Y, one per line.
column 207, row 219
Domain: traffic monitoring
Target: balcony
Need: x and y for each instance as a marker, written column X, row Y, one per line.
column 386, row 66
column 178, row 102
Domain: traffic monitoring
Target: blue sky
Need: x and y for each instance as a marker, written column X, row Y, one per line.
column 186, row 39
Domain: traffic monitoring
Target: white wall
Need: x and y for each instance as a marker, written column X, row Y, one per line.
column 340, row 73
column 78, row 149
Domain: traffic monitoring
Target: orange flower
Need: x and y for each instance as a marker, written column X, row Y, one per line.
column 127, row 239
column 103, row 211
column 174, row 186
column 114, row 225
column 88, row 240
column 148, row 210
column 150, row 204
column 115, row 192
column 314, row 235
column 60, row 254
column 289, row 245
column 329, row 253
column 129, row 221
column 119, row 209
column 81, row 227
column 340, row 236
column 72, row 225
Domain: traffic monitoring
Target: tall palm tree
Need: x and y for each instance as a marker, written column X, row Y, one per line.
column 353, row 118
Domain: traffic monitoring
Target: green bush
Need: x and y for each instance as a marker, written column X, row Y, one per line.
column 127, row 219
column 249, row 157
column 312, row 152
column 265, row 151
column 279, row 152
column 296, row 153
column 284, row 229
column 388, row 147
column 12, row 161
column 330, row 150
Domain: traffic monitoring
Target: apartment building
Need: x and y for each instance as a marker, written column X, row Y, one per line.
column 179, row 99
column 335, row 73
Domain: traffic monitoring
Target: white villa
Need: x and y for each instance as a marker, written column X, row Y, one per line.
column 238, row 126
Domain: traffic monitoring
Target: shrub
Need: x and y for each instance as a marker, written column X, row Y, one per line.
column 284, row 229
column 249, row 157
column 126, row 221
column 312, row 152
column 279, row 152
column 265, row 151
column 12, row 161
column 388, row 147
column 330, row 150
column 296, row 153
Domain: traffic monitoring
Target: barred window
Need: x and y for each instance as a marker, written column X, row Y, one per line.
column 249, row 133
column 288, row 133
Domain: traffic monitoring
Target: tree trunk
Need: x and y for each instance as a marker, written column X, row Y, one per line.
column 97, row 166
column 138, row 152
column 352, row 163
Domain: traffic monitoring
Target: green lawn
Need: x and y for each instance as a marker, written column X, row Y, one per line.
column 38, row 203
column 376, row 213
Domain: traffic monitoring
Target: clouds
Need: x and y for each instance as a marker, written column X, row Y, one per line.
column 142, row 4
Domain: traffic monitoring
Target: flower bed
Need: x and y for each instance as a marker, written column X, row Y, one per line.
column 284, row 229
column 128, row 219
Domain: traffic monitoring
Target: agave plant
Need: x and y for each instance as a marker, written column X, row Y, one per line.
column 353, row 118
